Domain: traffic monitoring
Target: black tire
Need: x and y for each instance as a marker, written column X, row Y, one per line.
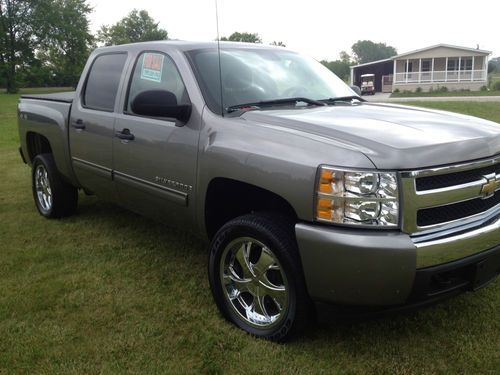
column 54, row 197
column 277, row 234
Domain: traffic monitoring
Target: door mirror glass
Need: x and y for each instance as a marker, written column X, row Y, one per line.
column 160, row 103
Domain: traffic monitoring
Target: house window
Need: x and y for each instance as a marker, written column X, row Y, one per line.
column 452, row 64
column 426, row 65
column 409, row 67
column 466, row 63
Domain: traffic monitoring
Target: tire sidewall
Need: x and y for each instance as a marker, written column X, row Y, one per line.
column 227, row 234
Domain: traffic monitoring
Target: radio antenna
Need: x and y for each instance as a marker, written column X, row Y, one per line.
column 218, row 54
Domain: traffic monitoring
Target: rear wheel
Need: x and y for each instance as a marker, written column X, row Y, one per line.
column 256, row 276
column 53, row 196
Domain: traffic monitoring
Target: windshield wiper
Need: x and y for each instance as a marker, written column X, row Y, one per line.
column 347, row 99
column 274, row 102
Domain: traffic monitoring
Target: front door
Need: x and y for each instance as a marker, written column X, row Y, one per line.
column 92, row 122
column 155, row 160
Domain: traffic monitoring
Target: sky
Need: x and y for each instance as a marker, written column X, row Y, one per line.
column 322, row 28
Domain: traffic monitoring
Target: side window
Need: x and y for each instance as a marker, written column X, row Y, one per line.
column 156, row 71
column 102, row 82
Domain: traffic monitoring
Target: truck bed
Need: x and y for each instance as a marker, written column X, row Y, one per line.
column 64, row 97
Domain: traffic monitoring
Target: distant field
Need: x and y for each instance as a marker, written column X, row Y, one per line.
column 107, row 291
column 487, row 110
column 439, row 93
column 40, row 90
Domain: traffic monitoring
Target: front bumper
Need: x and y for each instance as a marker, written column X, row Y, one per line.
column 381, row 268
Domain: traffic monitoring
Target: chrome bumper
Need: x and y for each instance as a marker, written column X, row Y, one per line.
column 435, row 251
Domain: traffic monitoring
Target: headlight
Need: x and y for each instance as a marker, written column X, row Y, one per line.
column 357, row 197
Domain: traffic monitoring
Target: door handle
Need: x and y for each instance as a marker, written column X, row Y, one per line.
column 79, row 124
column 125, row 134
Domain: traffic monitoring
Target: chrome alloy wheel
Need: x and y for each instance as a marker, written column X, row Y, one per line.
column 253, row 282
column 42, row 186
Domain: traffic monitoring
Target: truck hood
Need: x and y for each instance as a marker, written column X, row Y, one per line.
column 391, row 136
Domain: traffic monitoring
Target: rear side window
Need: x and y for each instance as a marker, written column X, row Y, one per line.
column 103, row 81
column 156, row 71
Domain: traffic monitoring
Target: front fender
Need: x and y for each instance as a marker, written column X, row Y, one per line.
column 280, row 162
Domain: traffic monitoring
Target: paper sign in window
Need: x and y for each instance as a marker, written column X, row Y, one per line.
column 152, row 67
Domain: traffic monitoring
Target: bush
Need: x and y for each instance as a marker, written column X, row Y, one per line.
column 483, row 88
column 396, row 91
column 443, row 89
column 431, row 89
column 496, row 86
column 419, row 89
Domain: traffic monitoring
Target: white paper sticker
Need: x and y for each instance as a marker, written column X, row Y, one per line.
column 152, row 67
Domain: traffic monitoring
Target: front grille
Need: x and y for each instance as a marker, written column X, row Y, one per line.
column 428, row 207
column 458, row 178
column 452, row 212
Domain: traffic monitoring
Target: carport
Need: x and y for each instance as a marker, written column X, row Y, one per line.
column 383, row 70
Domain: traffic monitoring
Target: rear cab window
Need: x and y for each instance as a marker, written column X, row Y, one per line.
column 103, row 80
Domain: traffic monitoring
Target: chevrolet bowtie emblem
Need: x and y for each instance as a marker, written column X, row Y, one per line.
column 489, row 188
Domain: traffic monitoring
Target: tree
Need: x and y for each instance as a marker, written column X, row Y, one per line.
column 243, row 37
column 42, row 38
column 341, row 68
column 366, row 51
column 494, row 65
column 65, row 39
column 17, row 25
column 278, row 43
column 138, row 26
column 345, row 57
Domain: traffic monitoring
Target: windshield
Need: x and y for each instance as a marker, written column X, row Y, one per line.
column 252, row 75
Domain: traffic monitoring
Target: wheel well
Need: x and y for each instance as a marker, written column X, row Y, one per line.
column 37, row 144
column 227, row 199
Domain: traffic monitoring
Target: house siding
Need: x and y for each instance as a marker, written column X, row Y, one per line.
column 442, row 52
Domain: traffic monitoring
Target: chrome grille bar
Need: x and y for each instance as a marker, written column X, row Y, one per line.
column 413, row 200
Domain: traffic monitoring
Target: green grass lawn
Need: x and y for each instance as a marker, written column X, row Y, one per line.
column 441, row 94
column 106, row 291
column 487, row 110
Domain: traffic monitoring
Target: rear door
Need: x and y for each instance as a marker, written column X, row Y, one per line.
column 155, row 172
column 92, row 121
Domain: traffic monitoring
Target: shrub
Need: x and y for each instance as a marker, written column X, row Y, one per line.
column 431, row 89
column 496, row 86
column 443, row 89
column 396, row 91
column 419, row 89
column 484, row 88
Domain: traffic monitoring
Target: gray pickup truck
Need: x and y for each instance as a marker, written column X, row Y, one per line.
column 307, row 193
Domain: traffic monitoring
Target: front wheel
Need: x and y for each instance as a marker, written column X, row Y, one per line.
column 53, row 196
column 256, row 276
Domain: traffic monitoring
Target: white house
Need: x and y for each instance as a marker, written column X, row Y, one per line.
column 455, row 67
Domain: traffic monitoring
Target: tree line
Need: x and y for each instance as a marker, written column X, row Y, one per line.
column 47, row 42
